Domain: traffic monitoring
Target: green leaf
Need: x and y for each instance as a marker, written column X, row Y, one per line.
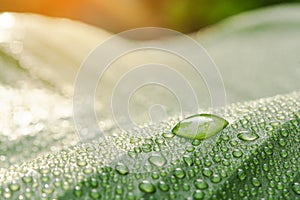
column 41, row 157
column 257, row 52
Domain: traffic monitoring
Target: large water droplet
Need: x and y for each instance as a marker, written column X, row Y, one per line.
column 200, row 126
column 247, row 136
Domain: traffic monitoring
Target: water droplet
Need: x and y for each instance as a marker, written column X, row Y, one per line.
column 159, row 141
column 158, row 161
column 122, row 169
column 200, row 126
column 200, row 184
column 155, row 175
column 27, row 179
column 196, row 142
column 47, row 189
column 168, row 135
column 77, row 191
column 186, row 187
column 81, row 163
column 95, row 194
column 163, row 186
column 255, row 182
column 179, row 173
column 147, row 187
column 247, row 136
column 237, row 153
column 93, row 182
column 190, row 148
column 146, row 148
column 296, row 188
column 241, row 174
column 207, row 172
column 216, row 178
column 283, row 153
column 14, row 186
column 188, row 160
column 198, row 195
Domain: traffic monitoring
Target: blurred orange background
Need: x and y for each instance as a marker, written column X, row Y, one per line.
column 113, row 15
column 119, row 15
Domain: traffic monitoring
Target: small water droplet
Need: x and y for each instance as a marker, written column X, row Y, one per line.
column 196, row 142
column 95, row 194
column 122, row 169
column 198, row 195
column 81, row 163
column 188, row 160
column 247, row 136
column 163, row 186
column 237, row 153
column 207, row 172
column 77, row 192
column 255, row 182
column 241, row 174
column 147, row 187
column 14, row 186
column 158, row 161
column 296, row 188
column 47, row 189
column 200, row 126
column 179, row 173
column 27, row 179
column 283, row 153
column 216, row 178
column 168, row 135
column 200, row 184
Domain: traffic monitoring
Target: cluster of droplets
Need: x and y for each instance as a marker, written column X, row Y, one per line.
column 29, row 129
column 254, row 156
